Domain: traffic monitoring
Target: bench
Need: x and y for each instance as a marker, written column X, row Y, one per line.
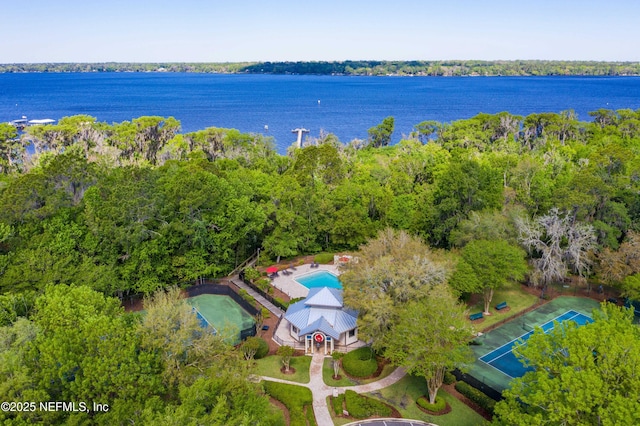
column 502, row 305
column 477, row 316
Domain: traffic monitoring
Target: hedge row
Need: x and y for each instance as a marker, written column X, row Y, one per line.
column 275, row 300
column 476, row 396
column 360, row 363
column 295, row 398
column 246, row 296
column 439, row 405
column 362, row 407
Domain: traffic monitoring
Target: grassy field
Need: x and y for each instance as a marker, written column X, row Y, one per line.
column 327, row 375
column 270, row 367
column 403, row 396
column 517, row 300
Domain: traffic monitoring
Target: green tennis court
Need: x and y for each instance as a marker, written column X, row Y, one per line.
column 224, row 314
column 491, row 342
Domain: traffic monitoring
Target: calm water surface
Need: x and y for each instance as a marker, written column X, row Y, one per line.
column 345, row 106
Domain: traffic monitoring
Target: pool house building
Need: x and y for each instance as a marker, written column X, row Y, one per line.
column 321, row 322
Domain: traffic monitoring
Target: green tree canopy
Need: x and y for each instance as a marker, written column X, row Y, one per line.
column 391, row 270
column 430, row 337
column 380, row 135
column 487, row 266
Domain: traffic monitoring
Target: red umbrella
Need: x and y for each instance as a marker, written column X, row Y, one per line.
column 272, row 269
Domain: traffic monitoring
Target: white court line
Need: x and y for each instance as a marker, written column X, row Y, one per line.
column 574, row 315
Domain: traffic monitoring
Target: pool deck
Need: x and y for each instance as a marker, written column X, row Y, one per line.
column 288, row 285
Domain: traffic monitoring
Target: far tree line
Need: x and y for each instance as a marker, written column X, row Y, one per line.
column 423, row 68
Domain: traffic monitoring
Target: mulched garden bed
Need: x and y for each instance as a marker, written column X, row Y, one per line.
column 291, row 370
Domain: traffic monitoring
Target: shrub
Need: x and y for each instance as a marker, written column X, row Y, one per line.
column 439, row 405
column 266, row 314
column 263, row 284
column 476, row 396
column 323, row 258
column 362, row 407
column 251, row 274
column 295, row 300
column 360, row 363
column 337, row 404
column 246, row 296
column 280, row 303
column 263, row 349
column 449, row 378
column 295, row 398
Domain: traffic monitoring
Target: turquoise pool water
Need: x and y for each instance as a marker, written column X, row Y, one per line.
column 319, row 279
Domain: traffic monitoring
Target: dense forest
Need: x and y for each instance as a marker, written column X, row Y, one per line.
column 413, row 68
column 136, row 206
column 93, row 210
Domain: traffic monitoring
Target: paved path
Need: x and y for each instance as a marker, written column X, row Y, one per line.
column 264, row 302
column 321, row 391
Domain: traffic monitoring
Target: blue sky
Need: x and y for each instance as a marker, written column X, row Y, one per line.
column 285, row 30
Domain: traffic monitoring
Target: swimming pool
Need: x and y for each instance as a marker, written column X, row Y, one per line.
column 504, row 359
column 319, row 279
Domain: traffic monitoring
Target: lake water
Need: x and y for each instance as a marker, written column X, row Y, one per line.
column 345, row 106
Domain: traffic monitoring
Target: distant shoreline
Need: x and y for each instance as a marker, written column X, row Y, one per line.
column 452, row 68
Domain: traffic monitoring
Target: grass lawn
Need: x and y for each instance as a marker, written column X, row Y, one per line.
column 403, row 396
column 517, row 300
column 297, row 399
column 270, row 367
column 327, row 375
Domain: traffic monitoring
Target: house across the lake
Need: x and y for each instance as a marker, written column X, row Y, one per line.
column 321, row 322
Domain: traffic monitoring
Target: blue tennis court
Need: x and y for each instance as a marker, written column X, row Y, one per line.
column 504, row 359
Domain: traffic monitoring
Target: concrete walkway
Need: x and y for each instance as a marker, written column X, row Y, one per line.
column 321, row 391
column 264, row 302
